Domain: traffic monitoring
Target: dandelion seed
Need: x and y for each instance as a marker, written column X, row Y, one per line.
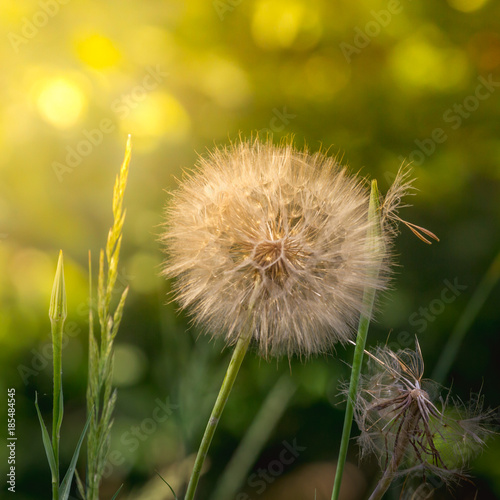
column 290, row 228
column 413, row 431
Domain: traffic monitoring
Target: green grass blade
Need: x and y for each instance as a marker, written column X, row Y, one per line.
column 68, row 478
column 469, row 314
column 170, row 487
column 116, row 494
column 79, row 484
column 47, row 444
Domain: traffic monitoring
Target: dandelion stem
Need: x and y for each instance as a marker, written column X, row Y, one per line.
column 364, row 323
column 231, row 373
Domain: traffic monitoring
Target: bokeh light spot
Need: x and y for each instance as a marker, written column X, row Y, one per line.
column 60, row 102
column 158, row 115
column 281, row 24
column 467, row 5
column 98, row 51
column 129, row 364
column 226, row 83
column 420, row 62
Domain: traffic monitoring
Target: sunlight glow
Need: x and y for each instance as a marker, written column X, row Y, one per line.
column 60, row 102
column 423, row 62
column 159, row 115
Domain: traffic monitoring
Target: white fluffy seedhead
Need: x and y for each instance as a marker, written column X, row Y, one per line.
column 281, row 225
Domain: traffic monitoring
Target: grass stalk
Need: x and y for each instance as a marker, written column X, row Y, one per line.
column 101, row 396
column 364, row 323
column 57, row 315
column 469, row 314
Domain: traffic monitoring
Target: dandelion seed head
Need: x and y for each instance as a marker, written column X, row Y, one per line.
column 406, row 422
column 286, row 227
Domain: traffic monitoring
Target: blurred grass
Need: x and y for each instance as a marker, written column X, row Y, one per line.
column 181, row 76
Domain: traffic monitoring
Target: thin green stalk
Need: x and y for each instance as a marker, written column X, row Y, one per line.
column 57, row 403
column 450, row 351
column 232, row 371
column 364, row 323
column 57, row 315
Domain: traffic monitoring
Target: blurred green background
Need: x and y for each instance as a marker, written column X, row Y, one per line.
column 373, row 81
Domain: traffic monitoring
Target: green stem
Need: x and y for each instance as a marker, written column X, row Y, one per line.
column 450, row 351
column 364, row 323
column 57, row 401
column 232, row 371
column 57, row 315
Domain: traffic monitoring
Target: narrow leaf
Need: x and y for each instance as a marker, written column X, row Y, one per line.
column 79, row 484
column 46, row 441
column 170, row 487
column 116, row 494
column 66, row 482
